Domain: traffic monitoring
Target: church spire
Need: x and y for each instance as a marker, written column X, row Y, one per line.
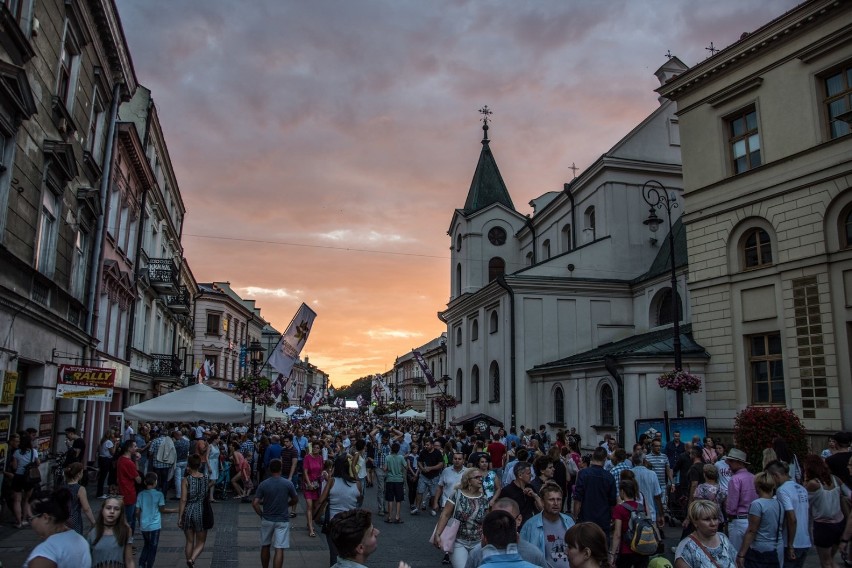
column 487, row 187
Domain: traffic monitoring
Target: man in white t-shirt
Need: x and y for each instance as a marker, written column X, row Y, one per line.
column 129, row 434
column 794, row 498
column 449, row 478
column 724, row 470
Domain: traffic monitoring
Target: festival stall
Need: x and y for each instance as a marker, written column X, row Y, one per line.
column 191, row 404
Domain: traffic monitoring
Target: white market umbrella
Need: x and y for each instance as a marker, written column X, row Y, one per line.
column 191, row 404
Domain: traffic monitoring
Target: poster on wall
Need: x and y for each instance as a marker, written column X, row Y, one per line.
column 5, row 427
column 10, row 383
column 45, row 425
column 651, row 426
column 85, row 383
column 689, row 427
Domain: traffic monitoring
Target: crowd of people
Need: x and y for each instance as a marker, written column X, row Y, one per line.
column 600, row 506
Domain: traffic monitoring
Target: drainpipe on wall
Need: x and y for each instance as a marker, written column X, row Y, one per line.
column 94, row 272
column 501, row 281
column 609, row 363
column 566, row 188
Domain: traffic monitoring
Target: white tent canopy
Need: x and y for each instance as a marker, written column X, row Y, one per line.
column 191, row 404
column 411, row 413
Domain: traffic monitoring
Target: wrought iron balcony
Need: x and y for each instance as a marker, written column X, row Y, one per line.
column 163, row 276
column 179, row 303
column 165, row 365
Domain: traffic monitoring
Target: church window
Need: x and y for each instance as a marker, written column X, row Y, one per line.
column 545, row 249
column 566, row 238
column 757, row 249
column 459, row 386
column 474, row 384
column 766, row 369
column 529, row 258
column 559, row 405
column 474, row 330
column 837, row 85
column 458, row 337
column 493, row 323
column 607, row 406
column 589, row 218
column 664, row 308
column 494, row 382
column 497, row 236
column 458, row 280
column 744, row 140
column 496, row 267
column 458, row 242
column 846, row 228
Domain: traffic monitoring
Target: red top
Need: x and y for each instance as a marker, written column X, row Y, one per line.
column 127, row 474
column 496, row 450
column 622, row 514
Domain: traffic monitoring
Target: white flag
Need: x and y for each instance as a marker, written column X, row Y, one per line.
column 287, row 351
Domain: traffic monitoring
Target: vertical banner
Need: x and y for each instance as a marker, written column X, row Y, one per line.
column 425, row 368
column 360, row 400
column 307, row 400
column 10, row 383
column 286, row 352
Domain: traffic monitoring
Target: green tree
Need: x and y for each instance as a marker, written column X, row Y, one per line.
column 359, row 386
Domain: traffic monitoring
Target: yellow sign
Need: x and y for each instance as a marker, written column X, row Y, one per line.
column 10, row 382
column 83, row 392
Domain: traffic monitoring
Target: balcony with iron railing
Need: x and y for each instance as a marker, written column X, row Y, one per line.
column 180, row 302
column 165, row 365
column 163, row 276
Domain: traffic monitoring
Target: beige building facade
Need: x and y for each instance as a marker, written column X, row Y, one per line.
column 767, row 164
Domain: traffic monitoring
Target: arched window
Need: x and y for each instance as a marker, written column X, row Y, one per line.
column 757, row 249
column 474, row 384
column 458, row 280
column 559, row 405
column 474, row 330
column 458, row 337
column 459, row 386
column 458, row 242
column 607, row 406
column 493, row 325
column 664, row 308
column 846, row 229
column 496, row 267
column 545, row 249
column 529, row 258
column 589, row 217
column 494, row 382
column 566, row 238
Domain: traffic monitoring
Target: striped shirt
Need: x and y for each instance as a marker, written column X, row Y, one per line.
column 658, row 465
column 617, row 469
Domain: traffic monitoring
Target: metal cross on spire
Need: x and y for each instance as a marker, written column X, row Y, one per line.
column 574, row 169
column 485, row 112
column 669, row 53
column 712, row 49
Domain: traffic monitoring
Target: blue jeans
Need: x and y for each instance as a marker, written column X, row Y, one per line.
column 130, row 515
column 149, row 549
column 180, row 469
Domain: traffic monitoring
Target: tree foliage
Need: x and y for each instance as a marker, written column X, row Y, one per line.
column 359, row 386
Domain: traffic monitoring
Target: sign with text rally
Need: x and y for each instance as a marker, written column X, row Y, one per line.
column 85, row 383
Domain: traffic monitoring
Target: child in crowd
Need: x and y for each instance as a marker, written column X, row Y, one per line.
column 149, row 506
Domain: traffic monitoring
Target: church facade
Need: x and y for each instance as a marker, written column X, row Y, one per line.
column 564, row 317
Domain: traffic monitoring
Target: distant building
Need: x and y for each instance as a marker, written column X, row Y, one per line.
column 767, row 161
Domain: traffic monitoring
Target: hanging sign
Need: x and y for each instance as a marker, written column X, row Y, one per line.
column 85, row 383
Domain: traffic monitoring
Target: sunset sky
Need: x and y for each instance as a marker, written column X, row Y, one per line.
column 321, row 147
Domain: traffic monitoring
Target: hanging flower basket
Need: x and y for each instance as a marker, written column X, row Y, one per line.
column 446, row 401
column 680, row 381
column 259, row 387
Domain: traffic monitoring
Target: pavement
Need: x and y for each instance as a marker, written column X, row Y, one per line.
column 234, row 540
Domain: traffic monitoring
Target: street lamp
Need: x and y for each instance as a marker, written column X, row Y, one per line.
column 255, row 352
column 654, row 194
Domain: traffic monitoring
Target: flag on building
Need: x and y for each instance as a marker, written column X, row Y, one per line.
column 278, row 385
column 205, row 371
column 286, row 352
column 425, row 368
column 317, row 398
column 360, row 400
column 384, row 388
column 309, row 395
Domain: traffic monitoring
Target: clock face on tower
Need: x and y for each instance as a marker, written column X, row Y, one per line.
column 497, row 236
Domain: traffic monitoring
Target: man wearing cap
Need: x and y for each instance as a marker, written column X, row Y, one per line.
column 741, row 493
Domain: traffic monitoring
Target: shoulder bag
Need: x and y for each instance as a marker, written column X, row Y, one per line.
column 207, row 515
column 33, row 473
column 447, row 538
column 704, row 550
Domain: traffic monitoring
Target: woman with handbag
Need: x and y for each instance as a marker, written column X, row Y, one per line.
column 824, row 495
column 195, row 515
column 27, row 477
column 313, row 473
column 459, row 527
column 706, row 547
column 762, row 545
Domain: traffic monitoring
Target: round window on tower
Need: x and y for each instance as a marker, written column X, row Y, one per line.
column 497, row 236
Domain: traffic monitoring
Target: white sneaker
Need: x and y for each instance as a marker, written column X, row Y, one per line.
column 434, row 512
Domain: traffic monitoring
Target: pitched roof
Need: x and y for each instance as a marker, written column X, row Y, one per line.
column 651, row 345
column 662, row 264
column 487, row 186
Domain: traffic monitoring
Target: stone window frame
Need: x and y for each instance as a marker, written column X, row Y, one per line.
column 746, row 137
column 835, row 128
column 766, row 357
